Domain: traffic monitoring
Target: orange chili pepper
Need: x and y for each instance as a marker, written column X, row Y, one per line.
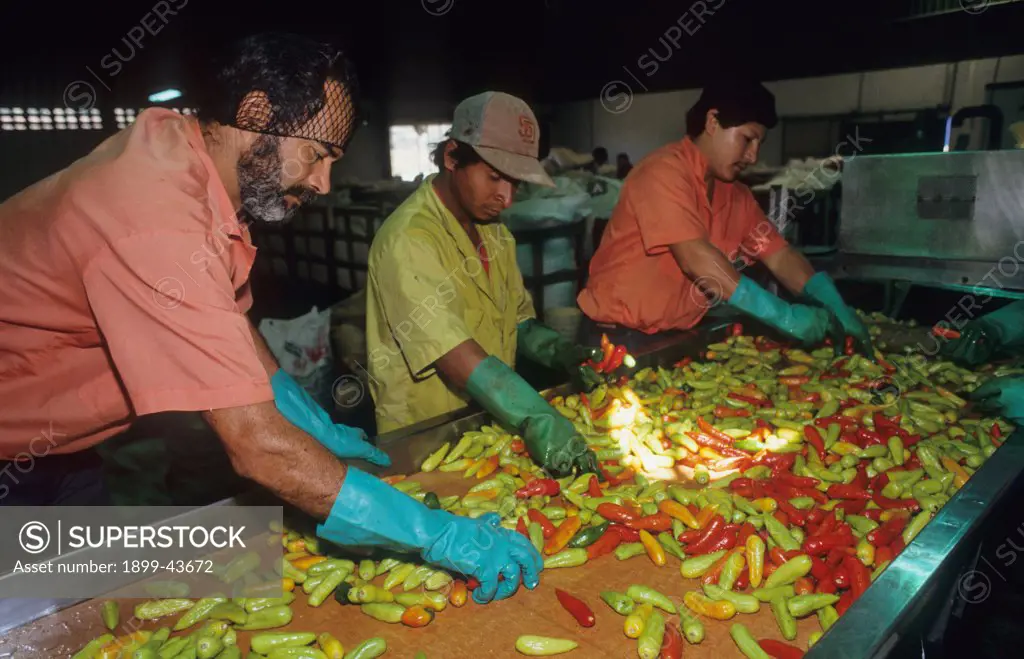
column 657, row 522
column 490, row 466
column 304, row 564
column 803, row 586
column 654, row 549
column 716, row 569
column 517, row 445
column 960, row 474
column 545, row 524
column 459, row 593
column 417, row 616
column 706, row 513
column 295, row 546
column 680, row 512
column 717, row 610
column 562, row 535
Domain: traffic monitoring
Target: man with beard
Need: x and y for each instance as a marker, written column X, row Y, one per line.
column 123, row 293
column 447, row 311
column 684, row 229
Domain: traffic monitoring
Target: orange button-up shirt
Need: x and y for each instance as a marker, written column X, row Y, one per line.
column 123, row 292
column 634, row 279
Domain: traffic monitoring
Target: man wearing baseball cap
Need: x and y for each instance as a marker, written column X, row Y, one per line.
column 447, row 311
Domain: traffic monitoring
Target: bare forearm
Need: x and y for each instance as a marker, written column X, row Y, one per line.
column 263, row 351
column 264, row 447
column 459, row 363
column 791, row 268
column 707, row 266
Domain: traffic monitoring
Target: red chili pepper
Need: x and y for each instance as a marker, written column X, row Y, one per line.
column 584, row 400
column 860, row 578
column 727, row 540
column 888, row 531
column 852, row 506
column 782, row 517
column 872, row 513
column 736, row 329
column 713, row 432
column 539, row 487
column 945, row 332
column 886, row 503
column 521, row 527
column 606, row 544
column 672, row 643
column 897, row 545
column 742, row 581
column 996, row 432
column 796, row 517
column 815, row 440
column 839, row 491
column 834, row 558
column 822, row 544
column 615, row 513
column 819, row 568
column 545, row 524
column 711, row 576
column 717, row 445
column 780, row 650
column 741, row 483
column 815, row 516
column 709, row 534
column 595, row 488
column 685, row 361
column 627, row 534
column 849, row 348
column 659, row 522
column 772, row 459
column 794, row 380
column 843, row 421
column 756, row 402
column 615, row 361
column 607, row 348
column 797, row 481
column 840, row 577
column 723, row 412
column 826, row 586
column 845, row 600
column 909, row 441
column 576, row 607
column 777, row 555
column 746, row 530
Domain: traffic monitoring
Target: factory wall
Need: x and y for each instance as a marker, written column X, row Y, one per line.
column 649, row 120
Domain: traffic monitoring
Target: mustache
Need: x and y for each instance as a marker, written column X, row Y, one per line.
column 304, row 195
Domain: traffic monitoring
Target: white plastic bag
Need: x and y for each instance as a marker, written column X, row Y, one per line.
column 303, row 349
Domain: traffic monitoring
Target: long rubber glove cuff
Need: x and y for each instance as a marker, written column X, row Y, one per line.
column 1003, row 396
column 808, row 324
column 822, row 290
column 550, row 438
column 296, row 405
column 370, row 513
column 540, row 343
column 1007, row 323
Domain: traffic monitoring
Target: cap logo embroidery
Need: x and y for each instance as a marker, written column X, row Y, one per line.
column 527, row 129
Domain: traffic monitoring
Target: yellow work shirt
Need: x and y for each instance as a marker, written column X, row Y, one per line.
column 427, row 292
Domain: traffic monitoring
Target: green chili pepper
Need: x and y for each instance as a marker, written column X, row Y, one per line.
column 330, row 581
column 684, row 495
column 758, row 472
column 619, row 603
column 230, row 652
column 208, row 647
column 746, row 642
column 297, row 653
column 536, row 536
column 693, row 628
column 159, row 608
column 647, row 595
column 744, row 505
column 671, row 545
column 92, row 648
column 264, row 643
column 767, row 594
column 916, row 524
column 111, row 614
column 779, row 533
column 367, row 571
column 229, row 611
column 629, row 550
column 827, row 616
column 542, row 646
column 860, row 524
column 790, row 571
column 697, row 566
column 188, row 651
column 199, row 612
column 438, row 580
column 368, row 649
column 731, row 570
column 172, row 647
column 801, row 606
column 240, row 566
column 651, row 638
column 786, row 622
column 254, row 604
column 167, row 589
column 588, row 536
column 268, row 618
column 291, row 572
column 417, row 577
column 567, row 558
column 743, row 603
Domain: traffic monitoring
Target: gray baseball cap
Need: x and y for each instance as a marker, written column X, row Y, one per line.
column 504, row 131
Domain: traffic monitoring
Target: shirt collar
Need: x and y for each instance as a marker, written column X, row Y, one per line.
column 228, row 221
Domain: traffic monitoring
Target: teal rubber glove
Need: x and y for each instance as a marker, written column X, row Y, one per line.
column 541, row 344
column 822, row 290
column 983, row 338
column 370, row 513
column 1002, row 396
column 296, row 405
column 806, row 323
column 550, row 438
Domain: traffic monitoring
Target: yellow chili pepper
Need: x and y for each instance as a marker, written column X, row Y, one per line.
column 960, row 476
column 635, row 621
column 489, row 467
column 755, row 559
column 331, row 646
column 717, row 610
column 706, row 513
column 845, row 448
column 295, row 546
column 680, row 512
column 562, row 535
column 287, row 585
column 866, row 552
column 765, row 505
column 654, row 549
column 305, row 563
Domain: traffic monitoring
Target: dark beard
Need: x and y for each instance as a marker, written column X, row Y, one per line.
column 259, row 181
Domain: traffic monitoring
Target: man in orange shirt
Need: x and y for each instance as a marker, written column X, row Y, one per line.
column 124, row 292
column 684, row 229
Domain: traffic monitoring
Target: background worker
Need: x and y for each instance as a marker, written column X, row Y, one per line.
column 447, row 312
column 124, row 289
column 684, row 229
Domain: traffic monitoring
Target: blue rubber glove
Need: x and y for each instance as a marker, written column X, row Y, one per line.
column 371, row 513
column 985, row 338
column 1003, row 396
column 296, row 405
column 806, row 323
column 822, row 290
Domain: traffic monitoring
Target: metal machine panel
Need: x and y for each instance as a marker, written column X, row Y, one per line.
column 962, row 206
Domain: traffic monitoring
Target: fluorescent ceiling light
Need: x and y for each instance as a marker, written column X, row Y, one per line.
column 165, row 95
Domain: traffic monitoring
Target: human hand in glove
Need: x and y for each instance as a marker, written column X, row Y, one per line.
column 550, row 438
column 822, row 290
column 370, row 513
column 545, row 346
column 806, row 323
column 982, row 338
column 296, row 405
column 1003, row 396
